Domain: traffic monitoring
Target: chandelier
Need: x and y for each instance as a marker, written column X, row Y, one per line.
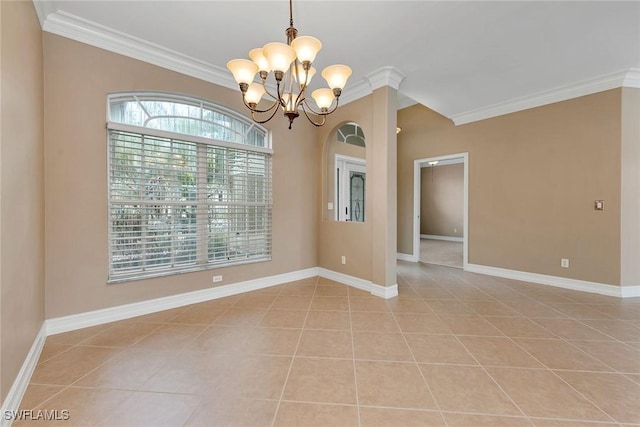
column 292, row 72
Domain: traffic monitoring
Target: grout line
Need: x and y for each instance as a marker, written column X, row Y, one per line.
column 353, row 354
column 293, row 358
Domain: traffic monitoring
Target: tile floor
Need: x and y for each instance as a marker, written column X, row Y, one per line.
column 454, row 349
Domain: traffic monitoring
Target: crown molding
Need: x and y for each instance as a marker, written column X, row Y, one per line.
column 355, row 91
column 627, row 78
column 632, row 78
column 385, row 76
column 85, row 31
column 43, row 9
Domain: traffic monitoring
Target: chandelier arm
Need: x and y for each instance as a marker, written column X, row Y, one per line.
column 256, row 110
column 316, row 124
column 320, row 113
column 253, row 116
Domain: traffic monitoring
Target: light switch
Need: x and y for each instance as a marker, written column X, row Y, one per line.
column 599, row 205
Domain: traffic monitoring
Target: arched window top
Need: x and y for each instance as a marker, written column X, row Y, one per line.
column 351, row 133
column 185, row 115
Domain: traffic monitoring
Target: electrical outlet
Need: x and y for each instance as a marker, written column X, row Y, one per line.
column 564, row 263
column 217, row 279
column 344, row 259
column 455, row 230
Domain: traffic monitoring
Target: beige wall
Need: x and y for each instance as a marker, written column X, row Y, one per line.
column 21, row 190
column 630, row 203
column 533, row 179
column 78, row 78
column 442, row 200
column 338, row 238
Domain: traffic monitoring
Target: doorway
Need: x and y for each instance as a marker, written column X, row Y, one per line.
column 441, row 247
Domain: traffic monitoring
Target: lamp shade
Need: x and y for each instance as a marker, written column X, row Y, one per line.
column 243, row 70
column 254, row 93
column 257, row 56
column 336, row 75
column 301, row 73
column 279, row 55
column 306, row 48
column 323, row 97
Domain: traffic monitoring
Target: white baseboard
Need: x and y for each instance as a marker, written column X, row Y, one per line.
column 92, row 318
column 385, row 292
column 559, row 282
column 448, row 238
column 11, row 403
column 406, row 257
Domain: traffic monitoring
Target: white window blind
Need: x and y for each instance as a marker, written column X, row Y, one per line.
column 183, row 202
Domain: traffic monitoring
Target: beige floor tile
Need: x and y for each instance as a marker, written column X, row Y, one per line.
column 273, row 341
column 421, row 323
column 381, row 346
column 284, row 319
column 579, row 311
column 558, row 354
column 539, row 393
column 572, row 330
column 355, row 292
column 371, row 303
column 128, row 370
column 86, row 406
column 292, row 302
column 470, row 325
column 615, row 394
column 468, row 420
column 467, row 389
column 294, row 414
column 335, row 290
column 325, row 343
column 618, row 329
column 408, row 305
column 494, row 351
column 241, row 317
column 159, row 317
column 330, row 303
column 153, row 409
column 633, row 377
column 323, row 281
column 392, row 384
column 294, row 289
column 233, row 412
column 619, row 356
column 385, row 417
column 50, row 350
column 68, row 367
column 253, row 300
column 77, row 337
column 122, row 335
column 492, row 308
column 37, row 394
column 221, row 339
column 438, row 349
column 563, row 423
column 255, row 377
column 339, row 320
column 170, row 337
column 434, row 293
column 450, row 308
column 535, row 310
column 515, row 327
column 198, row 315
column 369, row 321
column 321, row 380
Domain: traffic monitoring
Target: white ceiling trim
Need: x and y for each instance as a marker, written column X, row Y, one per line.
column 85, row 31
column 627, row 78
column 385, row 76
column 82, row 30
column 43, row 9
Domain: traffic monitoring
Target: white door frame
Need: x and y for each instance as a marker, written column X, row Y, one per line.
column 417, row 166
column 346, row 164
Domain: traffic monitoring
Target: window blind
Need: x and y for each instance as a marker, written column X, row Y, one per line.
column 178, row 205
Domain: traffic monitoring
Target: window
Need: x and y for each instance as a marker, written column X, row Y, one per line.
column 189, row 186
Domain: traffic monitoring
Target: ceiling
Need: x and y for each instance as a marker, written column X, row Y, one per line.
column 465, row 60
